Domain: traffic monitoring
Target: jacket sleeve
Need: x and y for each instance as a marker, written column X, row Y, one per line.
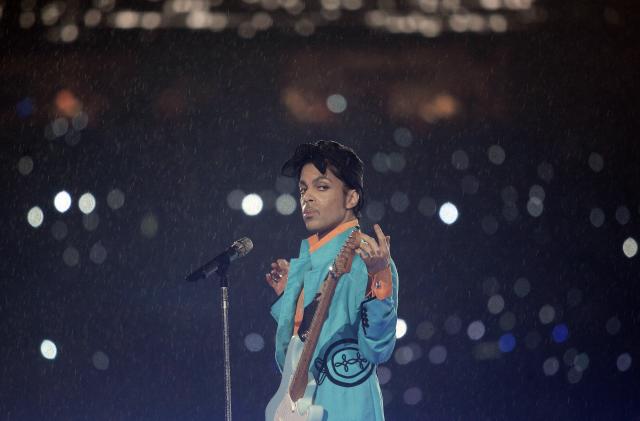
column 376, row 319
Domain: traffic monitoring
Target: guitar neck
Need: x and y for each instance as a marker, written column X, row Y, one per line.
column 300, row 377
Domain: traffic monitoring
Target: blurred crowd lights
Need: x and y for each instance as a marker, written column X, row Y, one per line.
column 66, row 20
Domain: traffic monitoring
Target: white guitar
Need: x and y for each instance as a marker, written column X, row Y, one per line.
column 294, row 399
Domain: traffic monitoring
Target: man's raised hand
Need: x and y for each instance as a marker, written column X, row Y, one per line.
column 277, row 277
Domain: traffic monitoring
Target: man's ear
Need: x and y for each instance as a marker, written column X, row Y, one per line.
column 352, row 199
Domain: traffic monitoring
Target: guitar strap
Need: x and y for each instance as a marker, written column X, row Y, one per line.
column 307, row 316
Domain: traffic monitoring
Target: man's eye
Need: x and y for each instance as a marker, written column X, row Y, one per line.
column 323, row 187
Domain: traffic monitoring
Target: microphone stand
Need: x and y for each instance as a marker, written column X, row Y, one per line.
column 221, row 271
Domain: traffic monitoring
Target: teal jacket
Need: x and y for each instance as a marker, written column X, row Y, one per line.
column 359, row 332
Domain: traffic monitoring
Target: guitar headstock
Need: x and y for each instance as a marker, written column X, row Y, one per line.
column 342, row 263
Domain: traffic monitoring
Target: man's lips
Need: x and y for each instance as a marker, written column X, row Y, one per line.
column 308, row 212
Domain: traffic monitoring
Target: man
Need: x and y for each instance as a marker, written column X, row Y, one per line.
column 360, row 328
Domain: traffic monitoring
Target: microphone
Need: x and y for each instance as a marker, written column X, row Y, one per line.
column 239, row 248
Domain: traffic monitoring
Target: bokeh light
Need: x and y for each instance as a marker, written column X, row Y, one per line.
column 476, row 330
column 87, row 203
column 624, row 362
column 35, row 216
column 25, row 165
column 401, row 328
column 254, row 342
column 100, row 360
column 62, row 201
column 115, row 199
column 336, row 103
column 438, row 354
column 507, row 342
column 48, row 349
column 560, row 333
column 448, row 213
column 252, row 204
column 286, row 204
column 630, row 247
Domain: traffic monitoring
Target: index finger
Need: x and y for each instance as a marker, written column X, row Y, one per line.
column 382, row 239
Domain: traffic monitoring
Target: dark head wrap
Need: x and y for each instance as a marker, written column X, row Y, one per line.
column 323, row 154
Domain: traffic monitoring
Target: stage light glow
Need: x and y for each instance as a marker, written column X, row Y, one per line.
column 35, row 216
column 401, row 328
column 98, row 254
column 581, row 361
column 48, row 349
column 545, row 172
column 92, row 18
column 69, row 33
column 613, row 326
column 560, row 333
column 27, row 19
column 90, row 222
column 150, row 20
column 509, row 194
column 80, row 121
column 522, row 287
column 535, row 206
column 495, row 305
column 71, row 256
column 490, row 286
column 234, row 199
column 438, row 354
column 510, row 212
column 380, row 162
column 403, row 355
column 490, row 4
column 87, row 203
column 507, row 342
column 507, row 321
column 262, row 21
column 286, row 204
column 59, row 230
column 374, row 210
column 62, row 201
column 596, row 162
column 624, row 362
column 149, row 225
column 476, row 330
column 546, row 314
column 448, row 213
column 452, row 325
column 384, row 374
column 623, row 215
column 630, row 247
column 596, row 217
column 399, row 201
column 336, row 103
column 489, row 224
column 254, row 342
column 115, row 199
column 574, row 375
column 59, row 126
column 403, row 137
column 550, row 366
column 498, row 23
column 412, row 396
column 537, row 191
column 397, row 162
column 252, row 204
column 51, row 13
column 460, row 160
column 425, row 330
column 486, row 351
column 127, row 19
column 100, row 360
column 427, row 206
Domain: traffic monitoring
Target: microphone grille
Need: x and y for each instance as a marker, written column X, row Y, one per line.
column 243, row 246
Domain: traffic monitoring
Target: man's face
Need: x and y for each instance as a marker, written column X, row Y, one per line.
column 323, row 200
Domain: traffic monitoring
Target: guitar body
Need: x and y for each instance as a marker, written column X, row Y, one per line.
column 281, row 407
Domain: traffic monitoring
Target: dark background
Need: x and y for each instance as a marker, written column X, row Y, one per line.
column 179, row 118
